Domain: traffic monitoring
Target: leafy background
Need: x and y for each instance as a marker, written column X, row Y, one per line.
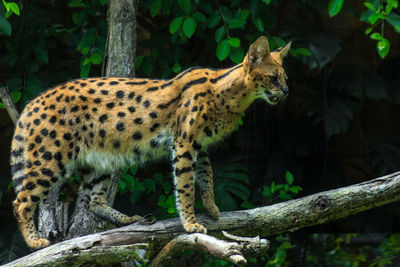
column 338, row 127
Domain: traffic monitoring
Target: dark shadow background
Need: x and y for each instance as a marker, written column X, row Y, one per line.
column 340, row 124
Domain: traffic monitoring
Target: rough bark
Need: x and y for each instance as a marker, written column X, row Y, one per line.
column 9, row 104
column 121, row 43
column 266, row 221
column 230, row 251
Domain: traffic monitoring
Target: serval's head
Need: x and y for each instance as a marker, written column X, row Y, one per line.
column 264, row 71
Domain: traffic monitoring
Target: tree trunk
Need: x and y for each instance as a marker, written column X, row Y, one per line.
column 121, row 41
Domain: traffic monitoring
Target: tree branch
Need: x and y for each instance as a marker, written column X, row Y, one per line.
column 288, row 216
column 230, row 251
column 9, row 104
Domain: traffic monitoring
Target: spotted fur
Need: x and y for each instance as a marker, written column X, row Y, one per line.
column 98, row 125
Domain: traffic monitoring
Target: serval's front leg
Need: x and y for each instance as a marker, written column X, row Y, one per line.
column 184, row 161
column 204, row 178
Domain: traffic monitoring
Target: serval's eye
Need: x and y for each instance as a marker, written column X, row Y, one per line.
column 275, row 81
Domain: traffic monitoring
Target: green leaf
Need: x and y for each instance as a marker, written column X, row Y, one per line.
column 14, row 8
column 139, row 61
column 76, row 3
column 237, row 24
column 244, row 13
column 284, row 195
column 135, row 196
column 376, row 36
column 289, row 177
column 199, row 16
column 129, row 180
column 121, row 184
column 86, row 61
column 5, row 26
column 272, row 187
column 189, row 26
column 278, row 41
column 303, row 51
column 96, row 58
column 133, row 170
column 236, row 55
column 369, row 30
column 223, row 49
column 85, row 71
column 259, row 24
column 85, row 50
column 383, row 47
column 176, row 67
column 267, row 192
column 393, row 19
column 214, row 20
column 150, row 184
column 267, row 1
column 16, row 96
column 370, row 6
column 219, row 34
column 334, row 7
column 373, row 18
column 41, row 54
column 235, row 42
column 185, row 5
column 295, row 189
column 155, row 8
column 388, row 8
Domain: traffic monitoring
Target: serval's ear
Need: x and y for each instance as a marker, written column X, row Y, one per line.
column 258, row 50
column 283, row 51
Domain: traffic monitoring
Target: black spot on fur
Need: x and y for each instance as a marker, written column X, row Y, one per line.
column 58, row 156
column 53, row 119
column 102, row 133
column 35, row 198
column 117, row 144
column 152, row 89
column 43, row 183
column 137, row 135
column 30, row 186
column 179, row 172
column 207, row 131
column 67, row 136
column 74, row 109
column 44, row 132
column 153, row 115
column 138, row 121
column 103, row 118
column 120, row 94
column 146, row 103
column 47, row 156
column 196, row 146
column 38, row 139
column 154, row 127
column 120, row 126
